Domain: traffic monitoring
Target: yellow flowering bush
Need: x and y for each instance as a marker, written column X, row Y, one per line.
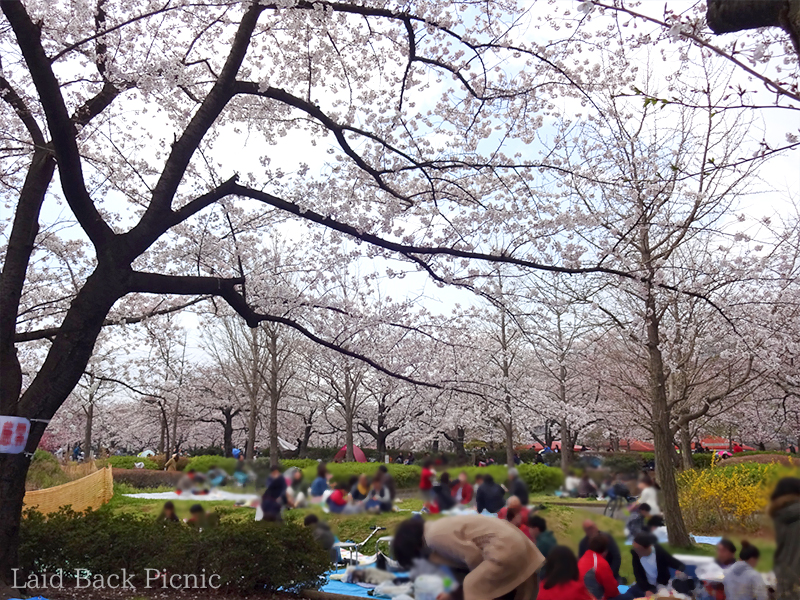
column 726, row 499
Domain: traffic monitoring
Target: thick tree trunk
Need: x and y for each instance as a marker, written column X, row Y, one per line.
column 252, row 423
column 567, row 446
column 349, row 438
column 57, row 377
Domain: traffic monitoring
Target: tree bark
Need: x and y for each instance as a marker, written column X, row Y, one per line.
column 727, row 16
column 87, row 434
column 686, row 448
column 662, row 432
column 274, row 396
column 227, row 430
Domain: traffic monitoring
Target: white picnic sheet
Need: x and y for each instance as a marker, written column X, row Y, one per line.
column 213, row 496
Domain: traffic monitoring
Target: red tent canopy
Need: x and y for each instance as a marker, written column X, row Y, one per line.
column 715, row 442
column 636, row 446
column 358, row 454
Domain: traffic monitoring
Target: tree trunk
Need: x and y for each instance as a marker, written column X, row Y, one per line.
column 348, row 438
column 274, row 398
column 227, row 432
column 509, row 427
column 307, row 430
column 662, row 433
column 567, row 446
column 161, row 441
column 57, row 377
column 252, row 422
column 686, row 448
column 87, row 435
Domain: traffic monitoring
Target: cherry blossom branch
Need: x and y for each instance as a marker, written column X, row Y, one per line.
column 61, row 126
column 769, row 83
column 185, row 146
column 40, row 334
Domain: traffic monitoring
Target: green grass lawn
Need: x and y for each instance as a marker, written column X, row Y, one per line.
column 565, row 521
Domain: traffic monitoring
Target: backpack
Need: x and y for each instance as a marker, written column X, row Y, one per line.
column 591, row 583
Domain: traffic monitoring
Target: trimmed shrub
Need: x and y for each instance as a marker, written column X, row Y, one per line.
column 702, row 461
column 626, row 463
column 539, row 478
column 44, row 471
column 247, row 555
column 204, row 463
column 144, row 479
column 127, row 462
column 405, row 476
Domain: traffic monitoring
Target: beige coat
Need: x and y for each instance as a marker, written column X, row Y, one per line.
column 499, row 557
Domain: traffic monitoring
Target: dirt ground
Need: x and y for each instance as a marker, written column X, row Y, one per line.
column 763, row 459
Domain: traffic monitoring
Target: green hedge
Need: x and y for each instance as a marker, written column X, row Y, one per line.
column 247, row 555
column 127, row 462
column 539, row 478
column 203, row 463
column 144, row 479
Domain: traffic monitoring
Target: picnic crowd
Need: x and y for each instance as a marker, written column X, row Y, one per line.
column 516, row 556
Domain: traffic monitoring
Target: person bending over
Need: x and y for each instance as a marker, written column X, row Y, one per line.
column 494, row 557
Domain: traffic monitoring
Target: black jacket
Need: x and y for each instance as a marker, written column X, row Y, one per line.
column 520, row 490
column 664, row 562
column 490, row 497
column 613, row 557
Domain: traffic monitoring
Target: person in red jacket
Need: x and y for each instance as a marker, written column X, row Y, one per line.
column 562, row 580
column 595, row 571
column 426, row 480
column 463, row 491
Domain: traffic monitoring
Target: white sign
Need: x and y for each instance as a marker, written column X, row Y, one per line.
column 13, row 434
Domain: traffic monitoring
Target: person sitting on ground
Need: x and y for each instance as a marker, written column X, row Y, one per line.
column 726, row 553
column 649, row 494
column 784, row 509
column 274, row 498
column 517, row 487
column 651, row 565
column 337, row 501
column 737, row 448
column 613, row 556
column 742, row 581
column 442, row 494
column 587, row 488
column 514, row 505
column 726, row 556
column 562, row 580
column 638, row 521
column 462, row 491
column 410, row 459
column 378, row 499
column 426, row 480
column 571, row 484
column 191, row 482
column 388, row 482
column 517, row 515
column 295, row 496
column 199, row 519
column 400, row 459
column 217, row 476
column 595, row 571
column 489, row 496
column 278, row 482
column 360, row 489
column 242, row 473
column 324, row 536
column 168, row 513
column 319, row 486
column 540, row 535
column 493, row 558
